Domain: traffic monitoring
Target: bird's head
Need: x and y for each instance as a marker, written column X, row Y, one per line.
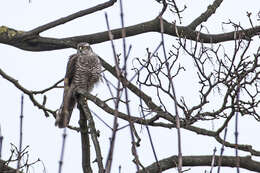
column 83, row 47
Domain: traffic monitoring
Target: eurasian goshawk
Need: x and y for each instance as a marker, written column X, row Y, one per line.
column 83, row 71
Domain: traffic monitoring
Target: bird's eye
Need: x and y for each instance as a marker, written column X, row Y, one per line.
column 80, row 48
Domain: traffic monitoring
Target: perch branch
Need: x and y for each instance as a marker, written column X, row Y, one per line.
column 94, row 133
column 85, row 145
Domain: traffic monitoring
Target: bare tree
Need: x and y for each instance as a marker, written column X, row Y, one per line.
column 227, row 84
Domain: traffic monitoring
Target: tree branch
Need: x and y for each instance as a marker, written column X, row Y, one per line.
column 11, row 36
column 49, row 88
column 204, row 16
column 84, row 109
column 71, row 17
column 5, row 168
column 85, row 145
column 227, row 161
column 151, row 122
column 27, row 92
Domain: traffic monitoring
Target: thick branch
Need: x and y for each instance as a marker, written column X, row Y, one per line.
column 11, row 36
column 121, row 115
column 85, row 145
column 247, row 148
column 151, row 122
column 70, row 17
column 84, row 109
column 227, row 161
column 24, row 40
column 204, row 16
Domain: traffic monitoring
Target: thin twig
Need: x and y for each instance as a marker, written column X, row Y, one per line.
column 213, row 160
column 20, row 134
column 163, row 9
column 236, row 48
column 222, row 150
column 1, row 142
column 150, row 136
column 98, row 117
column 149, row 57
column 134, row 151
column 64, row 135
column 175, row 101
column 49, row 88
column 85, row 144
column 236, row 130
column 27, row 92
column 116, row 102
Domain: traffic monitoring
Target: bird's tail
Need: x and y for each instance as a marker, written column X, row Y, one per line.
column 65, row 111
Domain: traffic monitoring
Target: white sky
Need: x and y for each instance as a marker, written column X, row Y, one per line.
column 38, row 70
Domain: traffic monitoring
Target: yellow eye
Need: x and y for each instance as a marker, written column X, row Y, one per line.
column 81, row 47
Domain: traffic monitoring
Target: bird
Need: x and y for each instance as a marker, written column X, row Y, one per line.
column 83, row 72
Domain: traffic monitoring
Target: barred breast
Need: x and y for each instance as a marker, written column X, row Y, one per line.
column 88, row 69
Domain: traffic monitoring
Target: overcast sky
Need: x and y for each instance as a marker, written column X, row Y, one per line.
column 38, row 70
